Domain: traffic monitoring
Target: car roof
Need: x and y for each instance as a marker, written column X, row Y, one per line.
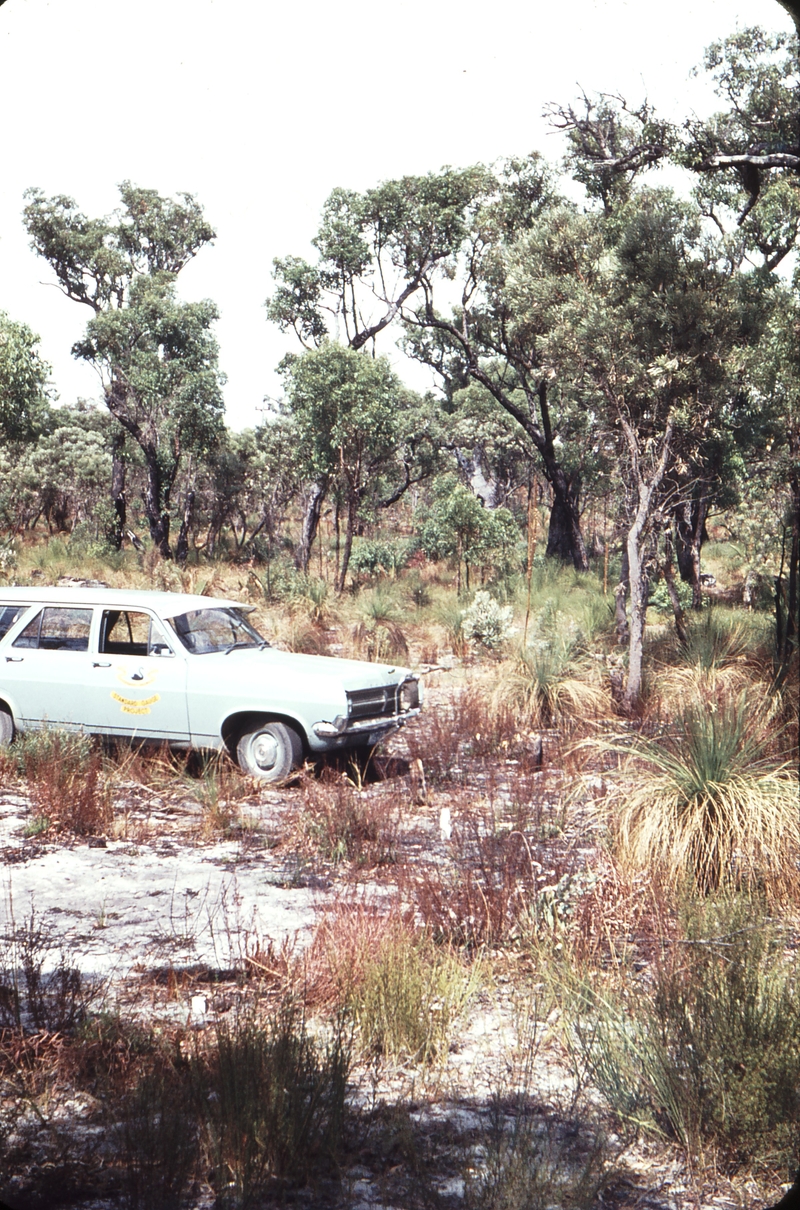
column 167, row 604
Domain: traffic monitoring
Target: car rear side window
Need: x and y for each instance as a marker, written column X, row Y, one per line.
column 57, row 629
column 8, row 616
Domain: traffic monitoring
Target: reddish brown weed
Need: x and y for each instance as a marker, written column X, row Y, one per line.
column 345, row 822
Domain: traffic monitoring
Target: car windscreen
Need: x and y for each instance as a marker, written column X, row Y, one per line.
column 203, row 631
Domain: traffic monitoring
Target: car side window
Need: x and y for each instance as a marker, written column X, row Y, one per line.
column 129, row 632
column 57, row 629
column 8, row 616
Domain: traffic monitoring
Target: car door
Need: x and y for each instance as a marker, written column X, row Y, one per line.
column 136, row 684
column 47, row 665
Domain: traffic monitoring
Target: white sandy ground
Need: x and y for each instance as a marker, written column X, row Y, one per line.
column 164, row 897
column 137, row 906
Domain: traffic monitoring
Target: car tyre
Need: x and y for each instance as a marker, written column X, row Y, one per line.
column 269, row 751
column 6, row 728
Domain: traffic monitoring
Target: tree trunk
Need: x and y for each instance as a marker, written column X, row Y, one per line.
column 646, row 497
column 472, row 466
column 182, row 545
column 564, row 537
column 154, row 507
column 118, row 477
column 316, row 497
column 352, row 505
column 621, row 600
column 669, row 578
column 787, row 596
column 690, row 534
column 638, row 580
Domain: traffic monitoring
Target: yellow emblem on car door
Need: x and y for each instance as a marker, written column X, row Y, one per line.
column 136, row 678
column 132, row 706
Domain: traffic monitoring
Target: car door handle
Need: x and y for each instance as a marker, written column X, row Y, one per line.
column 97, row 664
column 14, row 659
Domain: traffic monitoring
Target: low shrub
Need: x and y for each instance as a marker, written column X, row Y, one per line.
column 272, row 1102
column 486, row 623
column 533, row 1161
column 345, row 822
column 40, row 988
column 528, row 1157
column 409, row 996
column 159, row 1142
column 66, row 780
column 709, row 1052
column 484, row 895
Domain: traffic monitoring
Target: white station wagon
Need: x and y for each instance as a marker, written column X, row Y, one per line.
column 189, row 670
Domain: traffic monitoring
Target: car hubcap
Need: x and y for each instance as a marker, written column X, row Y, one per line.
column 265, row 751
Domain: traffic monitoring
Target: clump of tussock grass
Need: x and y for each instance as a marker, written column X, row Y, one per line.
column 378, row 634
column 708, row 797
column 409, row 996
column 548, row 685
column 219, row 788
column 528, row 1157
column 725, row 652
column 345, row 822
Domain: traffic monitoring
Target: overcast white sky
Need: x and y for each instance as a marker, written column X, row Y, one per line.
column 261, row 109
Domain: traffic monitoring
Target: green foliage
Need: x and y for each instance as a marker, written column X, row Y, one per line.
column 457, row 526
column 755, row 74
column 95, row 259
column 409, row 998
column 344, row 408
column 709, row 1053
column 172, row 400
column 658, row 596
column 373, row 556
column 156, row 356
column 272, row 1101
column 23, row 382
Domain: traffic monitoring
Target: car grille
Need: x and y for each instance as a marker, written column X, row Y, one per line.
column 372, row 703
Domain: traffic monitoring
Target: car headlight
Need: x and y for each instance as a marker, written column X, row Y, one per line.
column 409, row 696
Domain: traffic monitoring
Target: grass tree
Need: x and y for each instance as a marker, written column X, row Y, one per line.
column 709, row 797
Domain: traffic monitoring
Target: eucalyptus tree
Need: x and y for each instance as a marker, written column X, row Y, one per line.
column 245, row 485
column 745, row 157
column 24, row 376
column 429, row 253
column 769, row 429
column 457, row 526
column 662, row 334
column 358, row 432
column 156, row 356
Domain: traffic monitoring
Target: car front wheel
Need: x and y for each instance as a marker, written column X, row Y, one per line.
column 269, row 751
